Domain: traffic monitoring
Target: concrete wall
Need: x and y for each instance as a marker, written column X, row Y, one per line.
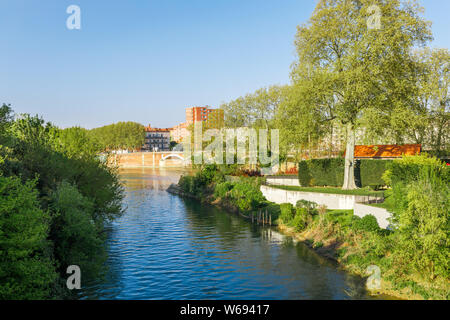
column 381, row 214
column 332, row 201
column 283, row 181
column 147, row 160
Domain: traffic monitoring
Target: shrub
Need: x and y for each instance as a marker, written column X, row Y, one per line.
column 321, row 172
column 423, row 224
column 222, row 189
column 186, row 183
column 76, row 236
column 370, row 172
column 367, row 223
column 274, row 210
column 342, row 217
column 302, row 219
column 287, row 212
column 330, row 172
column 304, row 176
column 247, row 197
column 26, row 269
column 298, row 222
column 407, row 169
column 310, row 206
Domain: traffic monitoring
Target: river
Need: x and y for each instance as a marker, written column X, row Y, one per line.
column 168, row 247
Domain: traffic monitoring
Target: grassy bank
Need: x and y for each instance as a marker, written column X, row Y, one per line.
column 332, row 190
column 412, row 258
column 357, row 244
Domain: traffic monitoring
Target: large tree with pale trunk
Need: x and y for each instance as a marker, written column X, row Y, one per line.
column 355, row 63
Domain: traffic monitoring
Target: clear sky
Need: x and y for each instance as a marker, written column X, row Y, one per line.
column 146, row 61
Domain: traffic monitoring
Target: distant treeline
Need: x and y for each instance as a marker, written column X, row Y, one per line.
column 121, row 135
column 55, row 196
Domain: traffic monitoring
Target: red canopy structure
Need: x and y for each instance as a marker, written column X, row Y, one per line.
column 387, row 151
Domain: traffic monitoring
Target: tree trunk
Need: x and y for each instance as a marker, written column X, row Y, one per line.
column 349, row 174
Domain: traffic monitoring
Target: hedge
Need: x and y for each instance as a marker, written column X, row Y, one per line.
column 371, row 172
column 321, row 172
column 330, row 172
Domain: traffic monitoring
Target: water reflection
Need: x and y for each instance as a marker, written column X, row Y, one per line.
column 166, row 247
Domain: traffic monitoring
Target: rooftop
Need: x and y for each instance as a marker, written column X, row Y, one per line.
column 150, row 129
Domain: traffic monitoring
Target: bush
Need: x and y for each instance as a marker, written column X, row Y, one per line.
column 222, row 189
column 247, row 197
column 423, row 224
column 186, row 183
column 407, row 169
column 321, row 172
column 310, row 206
column 274, row 210
column 330, row 172
column 26, row 269
column 304, row 175
column 287, row 212
column 367, row 223
column 299, row 221
column 344, row 218
column 369, row 173
column 76, row 236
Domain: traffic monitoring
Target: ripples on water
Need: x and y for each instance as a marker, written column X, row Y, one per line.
column 166, row 247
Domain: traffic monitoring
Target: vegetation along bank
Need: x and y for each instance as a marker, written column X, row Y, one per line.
column 413, row 255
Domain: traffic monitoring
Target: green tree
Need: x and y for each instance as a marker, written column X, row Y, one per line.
column 26, row 268
column 75, row 142
column 75, row 233
column 256, row 110
column 424, row 237
column 430, row 123
column 122, row 135
column 349, row 72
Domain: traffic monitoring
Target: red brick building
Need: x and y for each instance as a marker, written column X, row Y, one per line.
column 214, row 117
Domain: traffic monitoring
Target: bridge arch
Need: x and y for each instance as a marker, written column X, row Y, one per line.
column 172, row 155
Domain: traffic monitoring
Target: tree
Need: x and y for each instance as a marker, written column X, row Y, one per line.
column 256, row 110
column 75, row 142
column 26, row 268
column 430, row 124
column 298, row 130
column 122, row 135
column 348, row 72
column 76, row 235
column 6, row 116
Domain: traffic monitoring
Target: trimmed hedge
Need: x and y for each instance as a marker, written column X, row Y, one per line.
column 330, row 172
column 321, row 172
column 371, row 172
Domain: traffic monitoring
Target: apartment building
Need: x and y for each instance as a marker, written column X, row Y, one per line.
column 213, row 118
column 157, row 139
column 179, row 132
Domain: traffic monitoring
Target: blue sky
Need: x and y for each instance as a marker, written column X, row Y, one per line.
column 146, row 61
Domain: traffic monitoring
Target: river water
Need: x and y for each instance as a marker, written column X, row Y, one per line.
column 167, row 247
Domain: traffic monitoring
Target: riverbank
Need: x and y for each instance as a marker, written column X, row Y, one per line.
column 328, row 251
column 220, row 203
column 354, row 243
